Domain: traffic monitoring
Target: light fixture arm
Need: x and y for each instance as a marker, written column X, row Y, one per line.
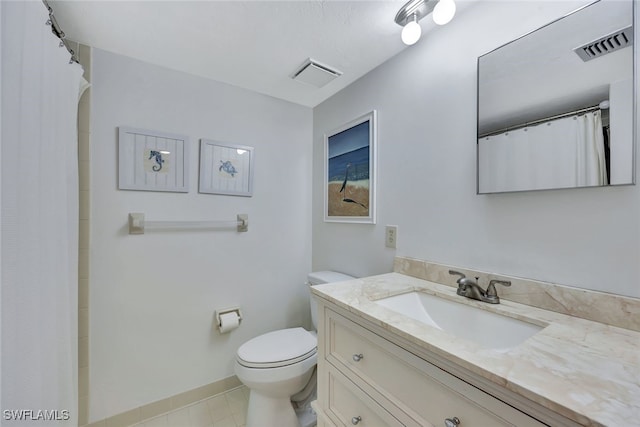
column 414, row 9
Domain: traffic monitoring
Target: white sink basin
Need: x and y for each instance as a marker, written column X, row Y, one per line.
column 490, row 330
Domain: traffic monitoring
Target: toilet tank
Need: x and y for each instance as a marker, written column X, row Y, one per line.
column 318, row 278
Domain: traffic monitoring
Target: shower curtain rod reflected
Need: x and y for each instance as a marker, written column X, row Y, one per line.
column 55, row 29
column 537, row 122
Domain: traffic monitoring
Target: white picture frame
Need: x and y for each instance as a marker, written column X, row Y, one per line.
column 350, row 171
column 226, row 168
column 149, row 160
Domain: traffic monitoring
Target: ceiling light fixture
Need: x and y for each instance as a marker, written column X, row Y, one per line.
column 444, row 11
column 412, row 31
column 413, row 11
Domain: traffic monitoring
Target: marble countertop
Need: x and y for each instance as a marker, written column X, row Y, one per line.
column 586, row 371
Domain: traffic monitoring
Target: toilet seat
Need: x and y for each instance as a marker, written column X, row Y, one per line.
column 278, row 348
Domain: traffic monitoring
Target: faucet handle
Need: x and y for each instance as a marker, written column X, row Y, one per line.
column 457, row 273
column 491, row 289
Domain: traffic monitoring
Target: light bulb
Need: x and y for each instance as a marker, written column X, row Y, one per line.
column 444, row 12
column 411, row 33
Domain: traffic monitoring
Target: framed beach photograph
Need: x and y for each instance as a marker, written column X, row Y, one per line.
column 152, row 161
column 350, row 163
column 226, row 168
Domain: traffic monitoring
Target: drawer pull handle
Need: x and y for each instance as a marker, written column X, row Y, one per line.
column 357, row 358
column 452, row 422
column 356, row 420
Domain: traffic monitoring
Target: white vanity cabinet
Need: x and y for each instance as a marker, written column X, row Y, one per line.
column 367, row 380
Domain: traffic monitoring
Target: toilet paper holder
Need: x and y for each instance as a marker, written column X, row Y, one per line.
column 222, row 311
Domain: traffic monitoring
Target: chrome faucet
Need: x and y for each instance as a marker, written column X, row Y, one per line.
column 469, row 288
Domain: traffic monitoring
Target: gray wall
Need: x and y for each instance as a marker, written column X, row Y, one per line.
column 153, row 297
column 426, row 102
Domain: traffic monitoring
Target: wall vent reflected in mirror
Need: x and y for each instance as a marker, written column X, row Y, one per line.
column 607, row 44
column 548, row 119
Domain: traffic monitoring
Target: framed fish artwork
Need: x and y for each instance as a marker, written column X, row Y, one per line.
column 226, row 168
column 152, row 161
column 349, row 171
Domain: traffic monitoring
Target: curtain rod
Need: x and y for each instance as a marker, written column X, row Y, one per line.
column 55, row 29
column 537, row 122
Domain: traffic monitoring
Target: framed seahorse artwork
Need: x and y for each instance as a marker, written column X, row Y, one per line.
column 152, row 161
column 226, row 168
column 350, row 171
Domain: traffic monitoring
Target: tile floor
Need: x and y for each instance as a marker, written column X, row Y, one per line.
column 223, row 410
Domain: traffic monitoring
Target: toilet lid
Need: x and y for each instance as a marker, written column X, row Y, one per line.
column 278, row 348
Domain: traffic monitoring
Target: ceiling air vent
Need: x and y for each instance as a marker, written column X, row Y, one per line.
column 315, row 73
column 607, row 44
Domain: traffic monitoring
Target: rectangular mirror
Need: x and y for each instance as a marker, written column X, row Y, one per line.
column 556, row 106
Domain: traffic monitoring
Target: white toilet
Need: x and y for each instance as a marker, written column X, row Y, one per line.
column 280, row 364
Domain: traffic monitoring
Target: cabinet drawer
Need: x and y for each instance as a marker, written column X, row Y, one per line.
column 421, row 390
column 348, row 405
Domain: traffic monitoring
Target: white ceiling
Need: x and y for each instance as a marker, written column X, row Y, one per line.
column 256, row 45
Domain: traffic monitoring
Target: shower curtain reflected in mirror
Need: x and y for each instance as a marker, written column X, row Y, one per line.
column 562, row 153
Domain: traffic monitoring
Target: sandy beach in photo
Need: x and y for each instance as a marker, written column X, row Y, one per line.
column 357, row 191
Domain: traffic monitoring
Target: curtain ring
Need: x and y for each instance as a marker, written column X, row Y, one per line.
column 48, row 22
